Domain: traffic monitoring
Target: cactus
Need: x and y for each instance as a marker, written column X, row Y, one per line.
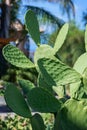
column 14, row 56
column 41, row 100
column 26, row 85
column 42, row 83
column 53, row 75
column 57, row 73
column 37, row 122
column 32, row 26
column 72, row 116
column 43, row 50
column 61, row 37
column 16, row 101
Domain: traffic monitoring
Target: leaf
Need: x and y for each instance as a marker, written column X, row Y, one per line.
column 61, row 37
column 57, row 73
column 37, row 122
column 26, row 85
column 32, row 26
column 86, row 38
column 16, row 101
column 14, row 56
column 42, row 101
column 81, row 63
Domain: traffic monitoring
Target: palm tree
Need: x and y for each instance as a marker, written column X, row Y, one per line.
column 85, row 17
column 67, row 6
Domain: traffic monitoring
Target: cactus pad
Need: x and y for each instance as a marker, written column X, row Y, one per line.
column 57, row 73
column 42, row 101
column 32, row 26
column 37, row 122
column 16, row 101
column 73, row 115
column 26, row 85
column 14, row 56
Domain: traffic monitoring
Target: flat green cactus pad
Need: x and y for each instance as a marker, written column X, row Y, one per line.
column 43, row 51
column 26, row 85
column 37, row 122
column 32, row 26
column 57, row 73
column 16, row 101
column 73, row 115
column 81, row 63
column 42, row 83
column 61, row 37
column 14, row 56
column 42, row 101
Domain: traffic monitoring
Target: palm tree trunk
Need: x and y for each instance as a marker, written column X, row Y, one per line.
column 5, row 19
column 4, row 32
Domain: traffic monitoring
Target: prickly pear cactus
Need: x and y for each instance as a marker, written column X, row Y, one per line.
column 42, row 83
column 53, row 74
column 43, row 51
column 61, row 37
column 37, row 122
column 43, row 101
column 32, row 26
column 57, row 73
column 72, row 116
column 15, row 57
column 16, row 101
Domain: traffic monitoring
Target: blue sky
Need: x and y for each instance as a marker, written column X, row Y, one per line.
column 80, row 6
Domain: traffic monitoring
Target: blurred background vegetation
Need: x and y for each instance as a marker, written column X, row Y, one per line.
column 70, row 51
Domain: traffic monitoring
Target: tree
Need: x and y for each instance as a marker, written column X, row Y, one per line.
column 67, row 6
column 85, row 17
column 4, row 29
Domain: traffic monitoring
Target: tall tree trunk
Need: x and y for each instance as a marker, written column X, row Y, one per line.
column 5, row 19
column 4, row 31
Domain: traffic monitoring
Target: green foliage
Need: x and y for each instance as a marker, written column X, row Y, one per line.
column 32, row 26
column 72, row 115
column 16, row 57
column 16, row 101
column 15, row 123
column 57, row 73
column 37, row 122
column 41, row 100
column 42, row 83
column 81, row 63
column 42, row 51
column 43, row 97
column 61, row 37
column 73, row 46
column 86, row 39
column 26, row 85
